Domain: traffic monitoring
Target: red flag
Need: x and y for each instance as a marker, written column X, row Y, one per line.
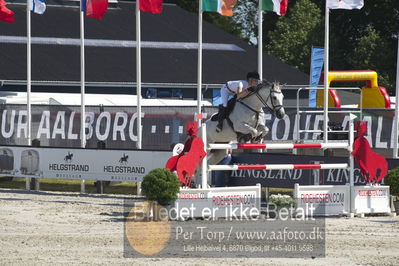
column 96, row 8
column 6, row 14
column 151, row 6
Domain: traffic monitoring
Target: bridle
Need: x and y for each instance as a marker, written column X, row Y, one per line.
column 275, row 107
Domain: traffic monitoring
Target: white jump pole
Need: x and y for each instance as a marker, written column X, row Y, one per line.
column 82, row 89
column 396, row 118
column 326, row 87
column 260, row 40
column 28, row 82
column 351, row 160
column 199, row 63
column 280, row 146
column 276, row 166
column 204, row 180
column 350, row 149
column 138, row 84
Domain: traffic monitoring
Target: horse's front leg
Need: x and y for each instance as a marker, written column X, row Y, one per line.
column 263, row 131
column 246, row 128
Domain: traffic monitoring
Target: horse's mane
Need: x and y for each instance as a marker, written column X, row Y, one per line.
column 262, row 84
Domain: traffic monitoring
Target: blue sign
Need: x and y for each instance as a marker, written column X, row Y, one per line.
column 316, row 66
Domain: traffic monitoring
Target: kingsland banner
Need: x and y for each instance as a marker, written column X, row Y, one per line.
column 288, row 178
column 59, row 126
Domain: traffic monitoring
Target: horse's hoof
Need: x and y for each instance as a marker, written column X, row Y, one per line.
column 257, row 139
column 245, row 138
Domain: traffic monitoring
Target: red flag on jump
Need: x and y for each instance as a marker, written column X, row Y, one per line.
column 151, row 6
column 6, row 14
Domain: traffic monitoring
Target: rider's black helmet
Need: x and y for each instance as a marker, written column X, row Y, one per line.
column 253, row 74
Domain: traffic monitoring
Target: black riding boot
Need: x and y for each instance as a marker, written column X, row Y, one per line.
column 221, row 117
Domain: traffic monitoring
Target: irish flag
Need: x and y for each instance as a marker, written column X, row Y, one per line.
column 278, row 6
column 223, row 7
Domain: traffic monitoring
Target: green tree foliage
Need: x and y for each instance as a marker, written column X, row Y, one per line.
column 367, row 55
column 161, row 185
column 366, row 39
column 359, row 39
column 246, row 18
column 295, row 34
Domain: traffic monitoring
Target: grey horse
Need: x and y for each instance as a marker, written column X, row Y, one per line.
column 247, row 118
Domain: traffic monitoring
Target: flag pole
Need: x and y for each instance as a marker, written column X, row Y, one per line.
column 138, row 74
column 326, row 40
column 199, row 67
column 82, row 87
column 396, row 118
column 28, row 80
column 260, row 40
column 138, row 82
column 204, row 167
column 29, row 72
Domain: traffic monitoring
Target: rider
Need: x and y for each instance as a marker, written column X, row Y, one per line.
column 231, row 88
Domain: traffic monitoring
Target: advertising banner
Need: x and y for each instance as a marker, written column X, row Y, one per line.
column 88, row 164
column 316, row 66
column 323, row 200
column 288, row 178
column 220, row 202
column 115, row 127
column 371, row 199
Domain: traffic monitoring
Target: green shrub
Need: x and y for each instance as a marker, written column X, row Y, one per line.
column 392, row 180
column 161, row 185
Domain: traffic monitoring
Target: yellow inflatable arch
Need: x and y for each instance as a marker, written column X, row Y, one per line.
column 374, row 96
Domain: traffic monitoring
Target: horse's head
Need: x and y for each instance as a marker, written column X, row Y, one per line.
column 271, row 97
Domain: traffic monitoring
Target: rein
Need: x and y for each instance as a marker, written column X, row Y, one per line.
column 274, row 108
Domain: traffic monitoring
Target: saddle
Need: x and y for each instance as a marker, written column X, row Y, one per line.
column 230, row 107
column 242, row 138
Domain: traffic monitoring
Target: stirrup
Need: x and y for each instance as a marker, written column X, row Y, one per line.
column 219, row 128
